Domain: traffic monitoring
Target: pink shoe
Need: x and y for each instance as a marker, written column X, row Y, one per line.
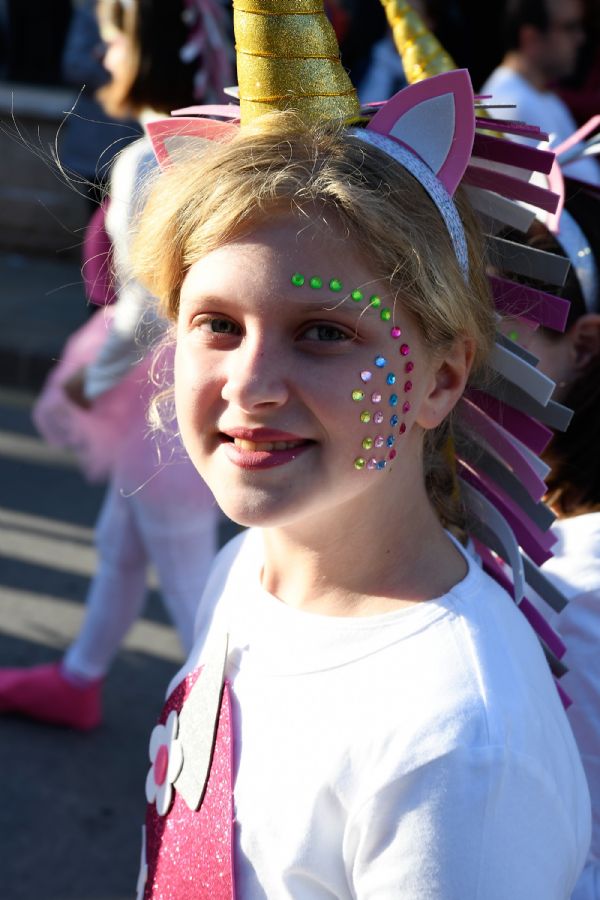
column 43, row 693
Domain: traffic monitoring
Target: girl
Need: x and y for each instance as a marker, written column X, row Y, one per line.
column 363, row 698
column 160, row 54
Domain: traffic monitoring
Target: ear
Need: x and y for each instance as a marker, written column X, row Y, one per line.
column 435, row 119
column 168, row 136
column 584, row 336
column 447, row 384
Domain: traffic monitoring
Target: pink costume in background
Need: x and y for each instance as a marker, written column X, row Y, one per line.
column 157, row 508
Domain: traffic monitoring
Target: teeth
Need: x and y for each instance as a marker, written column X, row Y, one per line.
column 265, row 445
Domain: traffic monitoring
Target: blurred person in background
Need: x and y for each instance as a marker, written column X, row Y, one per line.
column 89, row 139
column 581, row 92
column 542, row 40
column 161, row 55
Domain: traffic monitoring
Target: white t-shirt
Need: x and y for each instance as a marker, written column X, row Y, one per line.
column 542, row 108
column 420, row 754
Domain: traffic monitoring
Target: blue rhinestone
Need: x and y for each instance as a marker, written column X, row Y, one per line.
column 381, row 464
column 393, row 399
column 380, row 362
column 391, row 379
column 394, row 421
column 390, row 440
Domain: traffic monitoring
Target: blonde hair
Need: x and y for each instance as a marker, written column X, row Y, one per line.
column 281, row 166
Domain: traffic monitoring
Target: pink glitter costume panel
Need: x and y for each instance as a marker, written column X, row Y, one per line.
column 190, row 852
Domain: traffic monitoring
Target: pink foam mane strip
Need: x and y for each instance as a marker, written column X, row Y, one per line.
column 564, row 697
column 535, row 619
column 578, row 135
column 545, row 539
column 513, row 299
column 509, row 126
column 545, row 631
column 496, row 437
column 527, row 429
column 530, row 538
column 509, row 152
column 512, row 188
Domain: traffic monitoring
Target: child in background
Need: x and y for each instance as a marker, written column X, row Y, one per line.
column 365, row 713
column 161, row 54
column 572, row 360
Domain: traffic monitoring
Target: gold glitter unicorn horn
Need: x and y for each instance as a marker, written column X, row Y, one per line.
column 421, row 52
column 288, row 58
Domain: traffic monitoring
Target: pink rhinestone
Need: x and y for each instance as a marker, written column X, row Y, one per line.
column 392, row 454
column 379, row 441
column 396, row 332
column 402, row 429
column 404, row 349
column 366, row 376
column 409, row 366
column 406, row 406
column 376, row 398
column 372, row 464
column 408, row 386
column 378, row 418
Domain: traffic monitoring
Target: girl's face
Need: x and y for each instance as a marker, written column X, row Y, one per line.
column 298, row 383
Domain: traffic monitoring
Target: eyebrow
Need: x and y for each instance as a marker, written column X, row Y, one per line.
column 324, row 304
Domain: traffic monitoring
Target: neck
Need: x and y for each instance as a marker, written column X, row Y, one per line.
column 523, row 67
column 346, row 565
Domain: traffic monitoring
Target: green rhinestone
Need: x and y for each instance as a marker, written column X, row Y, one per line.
column 365, row 417
column 357, row 296
column 375, row 301
column 367, row 443
column 513, row 335
column 297, row 279
column 335, row 284
column 358, row 395
column 359, row 463
column 386, row 314
column 316, row 282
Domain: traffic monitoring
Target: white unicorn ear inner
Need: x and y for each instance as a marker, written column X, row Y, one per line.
column 428, row 129
column 435, row 120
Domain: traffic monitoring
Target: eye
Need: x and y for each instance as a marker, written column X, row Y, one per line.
column 326, row 333
column 216, row 325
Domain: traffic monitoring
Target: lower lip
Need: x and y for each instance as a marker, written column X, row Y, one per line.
column 262, row 459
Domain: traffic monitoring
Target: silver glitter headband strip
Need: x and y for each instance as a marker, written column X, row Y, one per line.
column 430, row 183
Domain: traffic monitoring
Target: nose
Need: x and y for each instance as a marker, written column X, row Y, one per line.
column 257, row 375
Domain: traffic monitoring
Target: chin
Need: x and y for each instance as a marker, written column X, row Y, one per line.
column 258, row 512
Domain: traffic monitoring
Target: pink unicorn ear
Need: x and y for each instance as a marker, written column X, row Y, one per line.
column 167, row 136
column 435, row 119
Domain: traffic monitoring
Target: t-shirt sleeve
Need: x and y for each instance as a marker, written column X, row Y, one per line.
column 477, row 823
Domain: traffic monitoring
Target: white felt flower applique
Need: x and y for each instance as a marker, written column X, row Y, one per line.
column 166, row 756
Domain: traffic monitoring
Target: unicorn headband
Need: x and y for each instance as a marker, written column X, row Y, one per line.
column 288, row 58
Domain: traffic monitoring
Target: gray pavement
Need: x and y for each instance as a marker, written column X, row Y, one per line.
column 72, row 804
column 41, row 304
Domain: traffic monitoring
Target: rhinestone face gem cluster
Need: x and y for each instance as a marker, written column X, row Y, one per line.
column 375, row 416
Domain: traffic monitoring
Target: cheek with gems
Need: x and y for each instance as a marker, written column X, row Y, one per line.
column 380, row 385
